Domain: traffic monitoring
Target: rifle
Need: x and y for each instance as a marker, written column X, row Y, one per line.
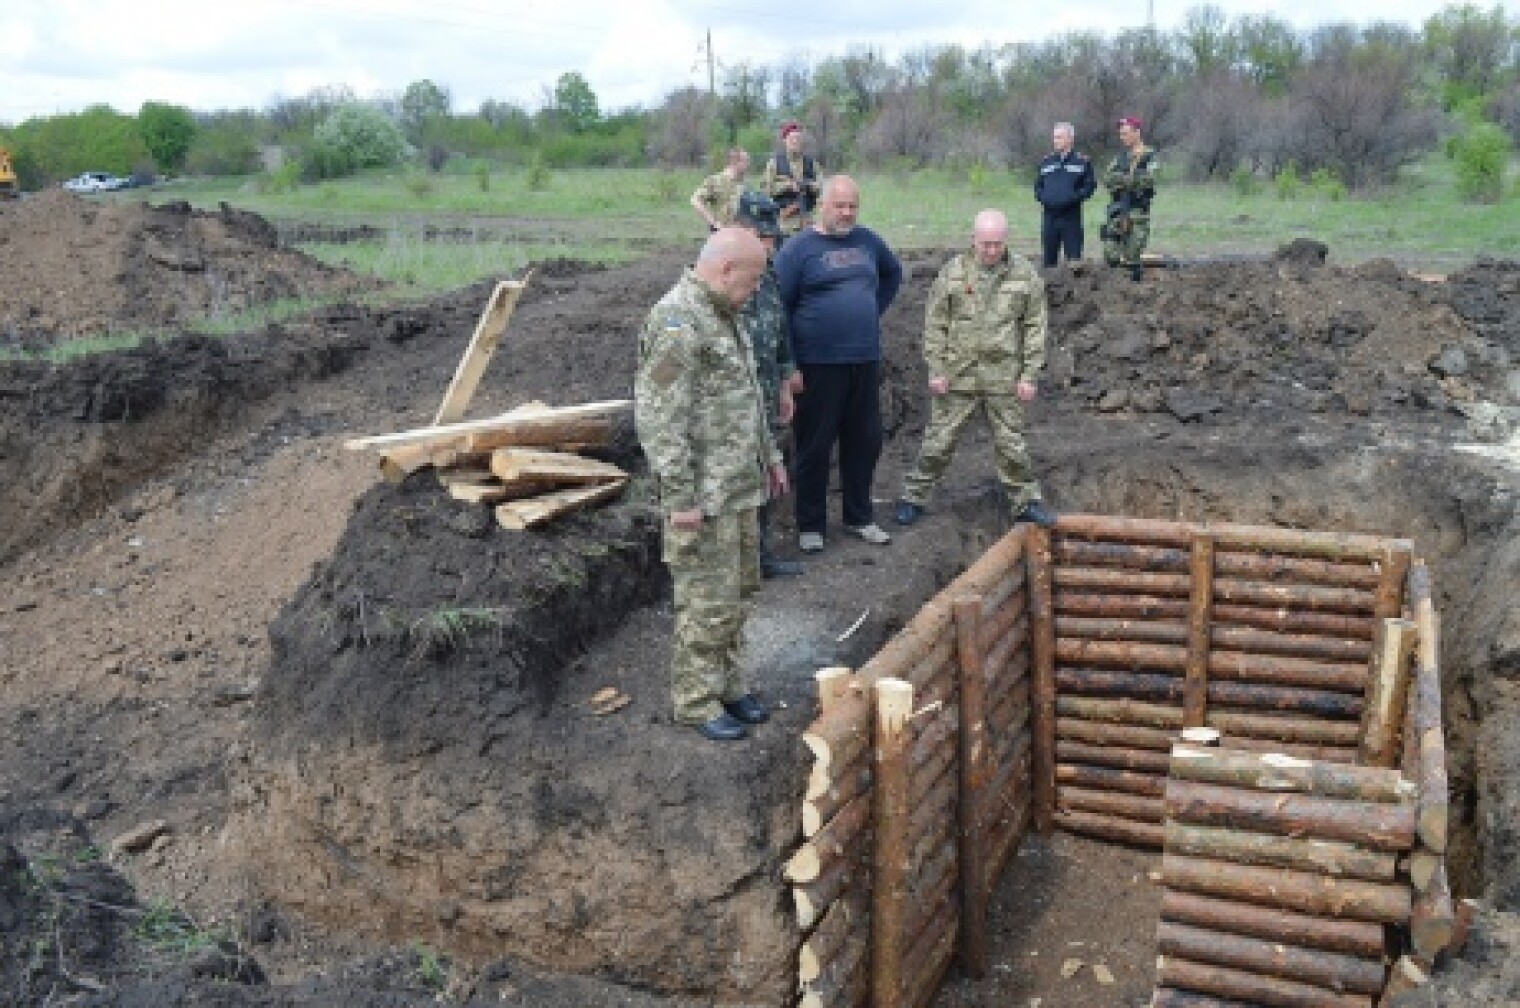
column 1117, row 224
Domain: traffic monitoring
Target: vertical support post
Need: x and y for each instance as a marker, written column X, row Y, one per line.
column 1042, row 714
column 834, row 684
column 894, row 708
column 1195, row 686
column 1430, row 771
column 1388, row 597
column 974, row 820
column 1387, row 693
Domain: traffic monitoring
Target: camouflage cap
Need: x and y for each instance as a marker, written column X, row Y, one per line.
column 759, row 212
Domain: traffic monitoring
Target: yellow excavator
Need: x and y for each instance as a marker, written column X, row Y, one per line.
column 9, row 187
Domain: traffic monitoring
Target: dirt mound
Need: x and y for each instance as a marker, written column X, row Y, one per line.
column 76, row 268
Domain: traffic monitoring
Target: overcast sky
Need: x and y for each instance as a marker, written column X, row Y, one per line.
column 61, row 55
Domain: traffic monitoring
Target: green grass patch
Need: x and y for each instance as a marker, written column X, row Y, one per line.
column 227, row 323
column 421, row 267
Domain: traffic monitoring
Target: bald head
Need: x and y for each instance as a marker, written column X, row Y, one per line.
column 989, row 236
column 731, row 263
column 838, row 205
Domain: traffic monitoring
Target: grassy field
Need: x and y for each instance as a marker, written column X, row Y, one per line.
column 616, row 215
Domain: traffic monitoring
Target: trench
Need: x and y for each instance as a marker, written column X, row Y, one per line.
column 1066, row 903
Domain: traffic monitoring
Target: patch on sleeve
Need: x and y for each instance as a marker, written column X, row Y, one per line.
column 665, row 371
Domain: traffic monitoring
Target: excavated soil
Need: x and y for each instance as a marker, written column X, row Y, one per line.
column 76, row 268
column 359, row 710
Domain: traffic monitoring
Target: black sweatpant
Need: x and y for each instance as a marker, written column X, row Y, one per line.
column 840, row 402
column 1061, row 228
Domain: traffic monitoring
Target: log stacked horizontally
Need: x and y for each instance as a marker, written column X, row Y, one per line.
column 1280, row 875
column 1264, row 634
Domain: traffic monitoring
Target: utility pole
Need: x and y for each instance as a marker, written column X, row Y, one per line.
column 712, row 72
column 1150, row 14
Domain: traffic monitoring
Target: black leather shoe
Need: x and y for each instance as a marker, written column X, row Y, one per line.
column 723, row 728
column 1037, row 513
column 748, row 709
column 907, row 512
column 771, row 567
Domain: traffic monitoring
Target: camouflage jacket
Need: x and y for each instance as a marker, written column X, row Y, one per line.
column 1139, row 183
column 985, row 329
column 796, row 190
column 719, row 193
column 764, row 325
column 697, row 404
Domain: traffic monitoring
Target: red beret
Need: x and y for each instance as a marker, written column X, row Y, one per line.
column 788, row 128
column 1133, row 122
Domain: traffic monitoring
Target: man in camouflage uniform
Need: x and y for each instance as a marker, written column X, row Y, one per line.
column 702, row 423
column 791, row 179
column 1131, row 182
column 718, row 195
column 984, row 343
column 763, row 323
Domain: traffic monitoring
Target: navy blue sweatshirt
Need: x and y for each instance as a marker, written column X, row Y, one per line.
column 834, row 289
column 1062, row 182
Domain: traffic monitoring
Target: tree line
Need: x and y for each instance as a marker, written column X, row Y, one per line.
column 1243, row 98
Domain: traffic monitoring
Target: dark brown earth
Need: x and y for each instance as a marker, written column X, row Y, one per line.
column 213, row 617
column 76, row 267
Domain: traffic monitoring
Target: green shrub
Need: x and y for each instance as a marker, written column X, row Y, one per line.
column 282, row 180
column 667, row 188
column 1245, row 182
column 1287, row 183
column 482, row 176
column 1481, row 156
column 538, row 174
column 1327, row 182
column 418, row 184
column 353, row 136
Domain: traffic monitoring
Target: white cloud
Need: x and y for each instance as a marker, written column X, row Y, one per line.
column 61, row 55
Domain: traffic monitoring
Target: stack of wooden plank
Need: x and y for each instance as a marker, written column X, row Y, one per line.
column 528, row 462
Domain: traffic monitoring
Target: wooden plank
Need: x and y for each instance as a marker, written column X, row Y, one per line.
column 1196, row 674
column 482, row 346
column 974, row 774
column 894, row 709
column 517, row 515
column 1043, row 713
column 448, row 433
column 511, row 464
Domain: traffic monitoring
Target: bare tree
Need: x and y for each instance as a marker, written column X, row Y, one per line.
column 682, row 131
column 746, row 97
column 1354, row 109
column 827, row 129
column 909, row 123
column 794, row 82
column 1222, row 117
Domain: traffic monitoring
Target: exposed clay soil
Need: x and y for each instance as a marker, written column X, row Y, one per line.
column 214, row 617
column 76, row 267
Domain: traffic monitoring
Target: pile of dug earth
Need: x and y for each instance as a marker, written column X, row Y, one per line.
column 77, row 268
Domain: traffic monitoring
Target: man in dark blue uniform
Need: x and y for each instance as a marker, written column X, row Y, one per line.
column 1065, row 178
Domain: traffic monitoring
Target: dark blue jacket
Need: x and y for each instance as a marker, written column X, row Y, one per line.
column 1063, row 182
column 833, row 290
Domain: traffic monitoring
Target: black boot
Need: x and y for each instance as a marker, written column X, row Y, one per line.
column 1136, row 273
column 772, row 566
column 747, row 709
column 723, row 728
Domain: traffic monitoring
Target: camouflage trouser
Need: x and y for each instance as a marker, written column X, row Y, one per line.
column 948, row 416
column 1125, row 249
column 716, row 569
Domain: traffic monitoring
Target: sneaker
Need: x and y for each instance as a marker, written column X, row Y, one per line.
column 872, row 533
column 810, row 542
column 1036, row 512
column 908, row 512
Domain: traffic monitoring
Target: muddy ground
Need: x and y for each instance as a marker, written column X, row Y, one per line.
column 82, row 268
column 215, row 619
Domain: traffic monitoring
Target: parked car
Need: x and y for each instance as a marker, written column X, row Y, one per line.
column 94, row 182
